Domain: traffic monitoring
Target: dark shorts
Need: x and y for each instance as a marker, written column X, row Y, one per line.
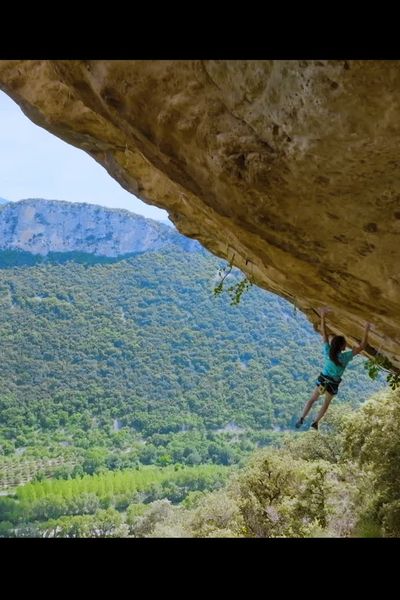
column 331, row 385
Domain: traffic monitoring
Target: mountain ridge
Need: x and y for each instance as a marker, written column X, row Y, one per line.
column 42, row 226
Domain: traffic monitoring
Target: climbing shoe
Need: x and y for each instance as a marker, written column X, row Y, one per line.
column 299, row 423
column 314, row 425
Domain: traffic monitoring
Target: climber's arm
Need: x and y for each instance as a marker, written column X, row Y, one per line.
column 323, row 324
column 364, row 342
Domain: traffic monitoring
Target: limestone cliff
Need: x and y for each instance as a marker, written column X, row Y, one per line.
column 290, row 167
column 42, row 226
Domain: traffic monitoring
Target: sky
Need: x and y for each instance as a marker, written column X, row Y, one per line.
column 36, row 164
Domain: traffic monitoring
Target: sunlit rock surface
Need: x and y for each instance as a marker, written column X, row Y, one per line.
column 288, row 167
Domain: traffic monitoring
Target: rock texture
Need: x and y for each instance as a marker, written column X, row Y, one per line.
column 42, row 226
column 291, row 168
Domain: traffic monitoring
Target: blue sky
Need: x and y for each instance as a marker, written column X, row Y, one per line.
column 36, row 164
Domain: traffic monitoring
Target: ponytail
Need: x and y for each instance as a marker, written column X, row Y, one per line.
column 337, row 345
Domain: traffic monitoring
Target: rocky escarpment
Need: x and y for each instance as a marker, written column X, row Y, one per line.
column 288, row 167
column 42, row 226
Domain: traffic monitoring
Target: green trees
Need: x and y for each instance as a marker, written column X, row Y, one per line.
column 216, row 514
column 48, row 499
column 342, row 481
column 283, row 497
column 95, row 460
column 111, row 366
column 47, row 508
column 140, row 347
column 379, row 364
column 102, row 505
column 104, row 523
column 372, row 439
column 158, row 512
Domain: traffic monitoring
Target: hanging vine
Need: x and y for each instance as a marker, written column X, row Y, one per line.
column 236, row 290
column 381, row 363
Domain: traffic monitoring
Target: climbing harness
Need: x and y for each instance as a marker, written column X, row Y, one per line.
column 322, row 387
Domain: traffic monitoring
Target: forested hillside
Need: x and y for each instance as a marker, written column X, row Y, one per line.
column 142, row 348
column 132, row 398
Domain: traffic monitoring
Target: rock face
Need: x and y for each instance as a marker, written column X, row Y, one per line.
column 291, row 168
column 42, row 226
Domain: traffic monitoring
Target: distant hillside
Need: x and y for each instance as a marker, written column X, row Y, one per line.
column 3, row 201
column 141, row 344
column 44, row 226
column 167, row 222
column 110, row 334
